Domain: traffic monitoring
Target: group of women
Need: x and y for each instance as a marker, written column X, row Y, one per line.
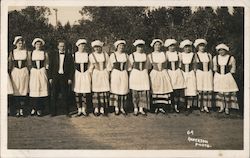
column 157, row 80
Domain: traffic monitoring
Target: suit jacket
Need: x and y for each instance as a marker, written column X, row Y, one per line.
column 68, row 66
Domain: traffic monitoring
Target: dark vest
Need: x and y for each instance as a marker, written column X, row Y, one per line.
column 200, row 64
column 23, row 62
column 119, row 65
column 176, row 63
column 97, row 64
column 191, row 66
column 33, row 62
column 227, row 66
column 138, row 65
column 78, row 65
column 156, row 65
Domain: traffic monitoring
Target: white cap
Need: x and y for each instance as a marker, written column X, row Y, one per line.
column 199, row 41
column 139, row 41
column 169, row 42
column 80, row 41
column 222, row 46
column 36, row 40
column 119, row 42
column 185, row 43
column 154, row 41
column 97, row 43
column 16, row 39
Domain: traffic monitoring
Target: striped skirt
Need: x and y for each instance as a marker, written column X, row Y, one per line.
column 81, row 100
column 161, row 100
column 205, row 99
column 227, row 100
column 117, row 100
column 100, row 99
column 141, row 99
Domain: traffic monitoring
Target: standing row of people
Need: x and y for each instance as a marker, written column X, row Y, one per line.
column 167, row 79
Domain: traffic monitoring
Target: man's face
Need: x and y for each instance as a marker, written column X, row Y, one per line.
column 61, row 46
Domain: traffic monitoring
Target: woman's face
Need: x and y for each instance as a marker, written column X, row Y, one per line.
column 81, row 47
column 139, row 48
column 157, row 46
column 172, row 48
column 19, row 44
column 187, row 49
column 120, row 47
column 38, row 45
column 98, row 49
column 222, row 52
column 201, row 47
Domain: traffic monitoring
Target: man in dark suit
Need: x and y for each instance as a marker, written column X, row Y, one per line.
column 60, row 76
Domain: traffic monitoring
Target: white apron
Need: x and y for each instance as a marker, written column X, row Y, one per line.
column 224, row 82
column 119, row 78
column 20, row 76
column 9, row 86
column 138, row 80
column 175, row 74
column 189, row 76
column 160, row 81
column 38, row 76
column 100, row 75
column 82, row 80
column 204, row 78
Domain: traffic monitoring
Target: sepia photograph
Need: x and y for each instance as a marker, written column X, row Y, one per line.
column 124, row 79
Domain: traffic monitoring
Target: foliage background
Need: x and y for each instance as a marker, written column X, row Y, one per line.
column 112, row 23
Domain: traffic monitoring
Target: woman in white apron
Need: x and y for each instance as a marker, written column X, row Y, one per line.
column 82, row 78
column 38, row 84
column 19, row 74
column 204, row 75
column 100, row 78
column 187, row 58
column 175, row 74
column 119, row 78
column 160, row 81
column 139, row 78
column 225, row 85
column 10, row 91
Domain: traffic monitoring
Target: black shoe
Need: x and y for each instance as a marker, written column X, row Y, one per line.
column 143, row 113
column 124, row 113
column 69, row 115
column 189, row 111
column 96, row 114
column 157, row 111
column 78, row 115
column 117, row 113
column 85, row 114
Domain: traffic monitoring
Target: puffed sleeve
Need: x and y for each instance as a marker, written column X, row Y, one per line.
column 131, row 61
column 211, row 60
column 29, row 62
column 215, row 63
column 46, row 61
column 110, row 62
column 180, row 61
column 91, row 63
column 10, row 61
column 233, row 64
column 149, row 61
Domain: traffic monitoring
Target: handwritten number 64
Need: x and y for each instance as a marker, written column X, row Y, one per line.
column 190, row 132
